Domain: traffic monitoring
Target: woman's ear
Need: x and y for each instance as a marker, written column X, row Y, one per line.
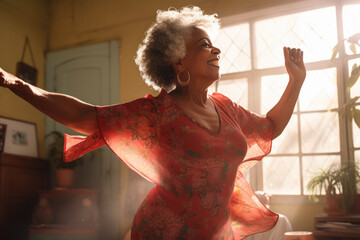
column 178, row 66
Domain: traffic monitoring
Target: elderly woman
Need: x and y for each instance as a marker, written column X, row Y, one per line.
column 193, row 146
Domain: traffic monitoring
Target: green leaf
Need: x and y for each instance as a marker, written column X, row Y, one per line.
column 354, row 100
column 240, row 152
column 335, row 50
column 194, row 154
column 355, row 73
column 353, row 67
column 184, row 230
column 188, row 190
column 353, row 48
column 356, row 116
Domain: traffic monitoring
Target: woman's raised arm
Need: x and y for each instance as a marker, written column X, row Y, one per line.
column 281, row 113
column 67, row 110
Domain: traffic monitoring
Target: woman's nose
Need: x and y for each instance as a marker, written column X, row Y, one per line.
column 216, row 50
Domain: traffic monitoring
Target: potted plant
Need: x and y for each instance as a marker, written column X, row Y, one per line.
column 64, row 171
column 339, row 182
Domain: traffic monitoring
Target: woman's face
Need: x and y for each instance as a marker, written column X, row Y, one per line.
column 202, row 59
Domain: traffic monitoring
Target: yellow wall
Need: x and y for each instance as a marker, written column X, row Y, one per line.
column 80, row 23
column 18, row 19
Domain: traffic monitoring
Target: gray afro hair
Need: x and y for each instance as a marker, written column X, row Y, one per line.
column 165, row 44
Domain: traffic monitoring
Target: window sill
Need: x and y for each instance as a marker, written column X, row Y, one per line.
column 294, row 200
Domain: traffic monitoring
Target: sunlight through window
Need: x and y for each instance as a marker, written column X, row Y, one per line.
column 313, row 136
column 312, row 31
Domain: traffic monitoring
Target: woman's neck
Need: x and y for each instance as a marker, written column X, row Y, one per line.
column 190, row 95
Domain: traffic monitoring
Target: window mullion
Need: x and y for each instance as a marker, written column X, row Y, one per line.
column 298, row 116
column 345, row 127
column 254, row 100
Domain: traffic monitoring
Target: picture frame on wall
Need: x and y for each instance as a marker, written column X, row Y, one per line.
column 2, row 136
column 26, row 73
column 20, row 138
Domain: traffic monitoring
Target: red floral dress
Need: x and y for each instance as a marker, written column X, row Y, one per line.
column 200, row 190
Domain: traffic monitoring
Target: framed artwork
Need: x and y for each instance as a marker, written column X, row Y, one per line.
column 26, row 73
column 20, row 137
column 2, row 136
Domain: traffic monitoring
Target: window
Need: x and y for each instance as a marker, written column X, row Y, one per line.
column 253, row 76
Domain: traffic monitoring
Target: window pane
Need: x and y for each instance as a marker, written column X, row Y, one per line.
column 319, row 91
column 281, row 175
column 236, row 90
column 351, row 18
column 305, row 30
column 320, row 132
column 287, row 142
column 272, row 87
column 313, row 164
column 234, row 43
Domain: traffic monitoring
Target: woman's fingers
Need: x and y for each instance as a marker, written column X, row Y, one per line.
column 294, row 63
column 6, row 79
column 295, row 54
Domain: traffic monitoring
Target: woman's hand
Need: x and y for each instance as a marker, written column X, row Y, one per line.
column 7, row 79
column 294, row 64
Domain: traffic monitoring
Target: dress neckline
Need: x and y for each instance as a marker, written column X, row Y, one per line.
column 211, row 132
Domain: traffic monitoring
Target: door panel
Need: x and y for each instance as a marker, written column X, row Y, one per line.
column 85, row 78
column 82, row 76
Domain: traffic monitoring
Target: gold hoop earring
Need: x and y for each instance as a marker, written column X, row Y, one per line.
column 183, row 83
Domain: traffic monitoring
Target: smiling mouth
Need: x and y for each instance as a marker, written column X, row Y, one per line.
column 214, row 62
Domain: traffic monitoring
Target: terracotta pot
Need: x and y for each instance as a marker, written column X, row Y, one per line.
column 355, row 208
column 334, row 207
column 64, row 177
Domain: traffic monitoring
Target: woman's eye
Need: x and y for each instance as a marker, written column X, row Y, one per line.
column 206, row 45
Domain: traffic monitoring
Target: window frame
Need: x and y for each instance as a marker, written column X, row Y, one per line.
column 254, row 75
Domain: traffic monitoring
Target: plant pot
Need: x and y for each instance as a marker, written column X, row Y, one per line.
column 64, row 177
column 355, row 208
column 334, row 206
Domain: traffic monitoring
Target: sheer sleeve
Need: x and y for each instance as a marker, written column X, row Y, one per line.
column 129, row 130
column 76, row 146
column 258, row 131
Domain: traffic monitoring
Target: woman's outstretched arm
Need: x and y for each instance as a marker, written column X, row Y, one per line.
column 71, row 112
column 281, row 113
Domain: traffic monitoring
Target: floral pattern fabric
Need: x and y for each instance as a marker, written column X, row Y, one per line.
column 200, row 190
